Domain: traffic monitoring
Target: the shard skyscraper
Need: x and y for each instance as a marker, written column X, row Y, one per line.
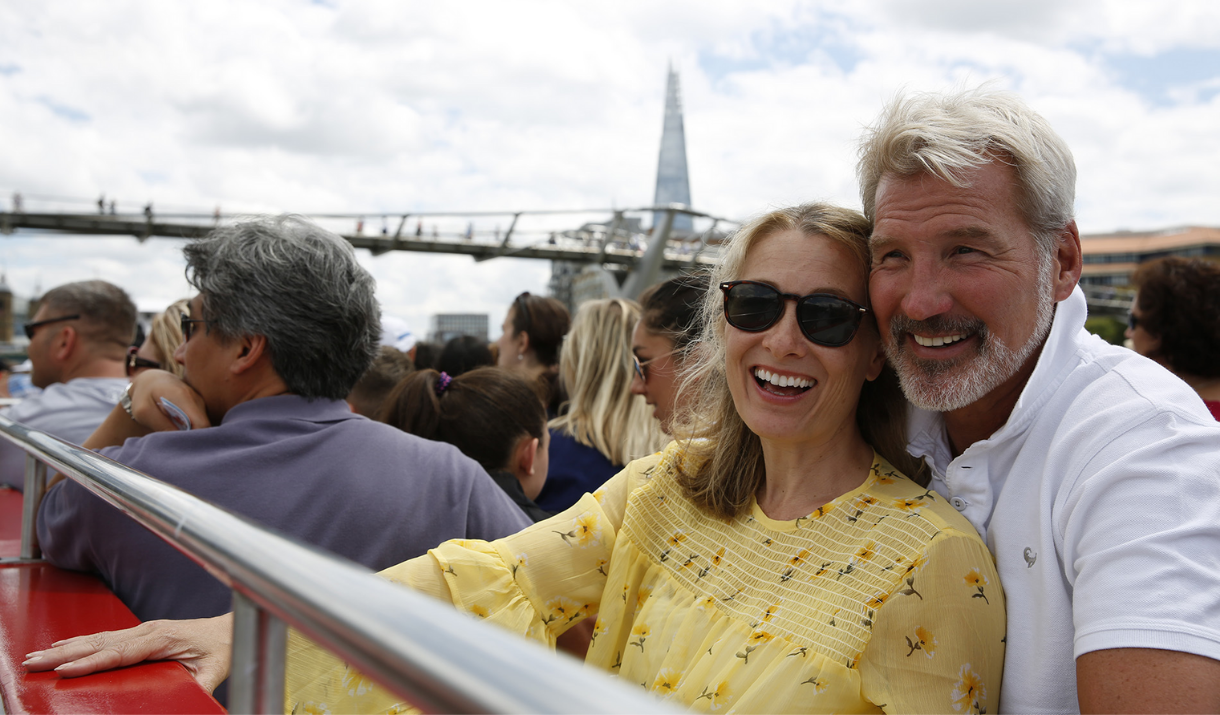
column 673, row 183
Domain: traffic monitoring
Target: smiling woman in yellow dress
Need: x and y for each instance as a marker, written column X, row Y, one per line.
column 773, row 558
column 770, row 560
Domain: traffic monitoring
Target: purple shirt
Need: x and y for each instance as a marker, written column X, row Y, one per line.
column 312, row 470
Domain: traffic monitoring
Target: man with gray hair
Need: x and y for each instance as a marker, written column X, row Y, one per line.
column 1092, row 473
column 78, row 347
column 284, row 324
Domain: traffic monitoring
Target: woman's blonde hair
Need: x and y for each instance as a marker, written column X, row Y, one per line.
column 165, row 334
column 596, row 371
column 729, row 455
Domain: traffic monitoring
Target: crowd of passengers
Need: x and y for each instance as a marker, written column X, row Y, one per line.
column 869, row 462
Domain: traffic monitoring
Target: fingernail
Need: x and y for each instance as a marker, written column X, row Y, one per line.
column 31, row 658
column 61, row 667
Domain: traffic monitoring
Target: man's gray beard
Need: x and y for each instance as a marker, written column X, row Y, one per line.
column 946, row 385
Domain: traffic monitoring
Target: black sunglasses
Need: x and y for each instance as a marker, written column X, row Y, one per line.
column 135, row 362
column 31, row 327
column 823, row 318
column 522, row 308
column 188, row 326
column 1132, row 321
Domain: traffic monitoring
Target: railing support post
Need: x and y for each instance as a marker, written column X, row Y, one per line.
column 35, row 486
column 260, row 643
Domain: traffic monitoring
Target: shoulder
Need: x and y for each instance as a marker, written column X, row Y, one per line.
column 924, row 514
column 1107, row 405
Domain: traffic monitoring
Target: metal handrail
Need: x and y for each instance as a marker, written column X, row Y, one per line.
column 422, row 650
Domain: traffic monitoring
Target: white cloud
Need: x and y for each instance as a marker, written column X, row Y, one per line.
column 374, row 107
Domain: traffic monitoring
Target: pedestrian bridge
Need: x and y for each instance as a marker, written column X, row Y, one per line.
column 616, row 240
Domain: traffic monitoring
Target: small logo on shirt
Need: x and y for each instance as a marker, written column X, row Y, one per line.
column 1030, row 557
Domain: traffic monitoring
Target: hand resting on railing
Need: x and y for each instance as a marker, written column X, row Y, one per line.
column 202, row 645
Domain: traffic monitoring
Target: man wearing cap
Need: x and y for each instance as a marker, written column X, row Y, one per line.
column 78, row 344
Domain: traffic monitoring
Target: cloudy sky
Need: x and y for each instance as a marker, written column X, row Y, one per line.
column 393, row 107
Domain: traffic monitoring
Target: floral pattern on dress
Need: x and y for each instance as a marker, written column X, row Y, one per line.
column 356, row 684
column 979, row 581
column 585, row 531
column 969, row 692
column 924, row 641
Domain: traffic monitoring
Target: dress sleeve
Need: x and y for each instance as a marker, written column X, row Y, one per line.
column 538, row 582
column 938, row 639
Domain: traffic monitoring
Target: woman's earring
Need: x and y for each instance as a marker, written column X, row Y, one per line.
column 520, row 356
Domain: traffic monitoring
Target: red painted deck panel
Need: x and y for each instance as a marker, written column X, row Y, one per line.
column 40, row 604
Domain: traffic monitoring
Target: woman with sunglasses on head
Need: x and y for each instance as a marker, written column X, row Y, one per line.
column 164, row 337
column 772, row 559
column 663, row 340
column 529, row 344
column 601, row 425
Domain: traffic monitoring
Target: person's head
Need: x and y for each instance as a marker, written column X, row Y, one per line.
column 787, row 373
column 425, row 354
column 971, row 197
column 668, row 327
column 463, row 354
column 369, row 393
column 280, row 299
column 533, row 332
column 77, row 327
column 492, row 416
column 164, row 337
column 596, row 370
column 1175, row 318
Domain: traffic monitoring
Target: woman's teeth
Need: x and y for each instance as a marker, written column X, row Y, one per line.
column 782, row 380
column 938, row 341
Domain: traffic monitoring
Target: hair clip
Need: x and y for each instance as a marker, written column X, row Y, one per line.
column 442, row 383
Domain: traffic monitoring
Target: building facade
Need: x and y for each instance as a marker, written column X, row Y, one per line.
column 1110, row 259
column 446, row 326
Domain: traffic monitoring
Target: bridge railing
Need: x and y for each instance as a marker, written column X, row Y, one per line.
column 426, row 652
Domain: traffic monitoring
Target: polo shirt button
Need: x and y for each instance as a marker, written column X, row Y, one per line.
column 958, row 503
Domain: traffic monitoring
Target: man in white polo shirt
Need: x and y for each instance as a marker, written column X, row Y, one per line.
column 1093, row 473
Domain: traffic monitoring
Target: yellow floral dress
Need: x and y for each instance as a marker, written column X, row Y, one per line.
column 884, row 599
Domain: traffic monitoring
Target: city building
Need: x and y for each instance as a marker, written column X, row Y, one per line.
column 446, row 326
column 1110, row 259
column 574, row 283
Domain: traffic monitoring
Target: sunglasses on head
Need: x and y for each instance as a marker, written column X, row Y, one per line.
column 135, row 362
column 522, row 308
column 824, row 319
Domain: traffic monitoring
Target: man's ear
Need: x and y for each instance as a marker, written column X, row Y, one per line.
column 65, row 342
column 523, row 457
column 250, row 351
column 1068, row 261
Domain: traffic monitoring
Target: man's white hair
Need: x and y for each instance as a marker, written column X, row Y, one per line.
column 949, row 135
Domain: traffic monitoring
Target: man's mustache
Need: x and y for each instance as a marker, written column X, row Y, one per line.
column 936, row 325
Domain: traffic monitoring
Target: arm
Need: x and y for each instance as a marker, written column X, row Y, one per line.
column 202, row 645
column 538, row 583
column 1164, row 681
column 938, row 639
column 146, row 391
